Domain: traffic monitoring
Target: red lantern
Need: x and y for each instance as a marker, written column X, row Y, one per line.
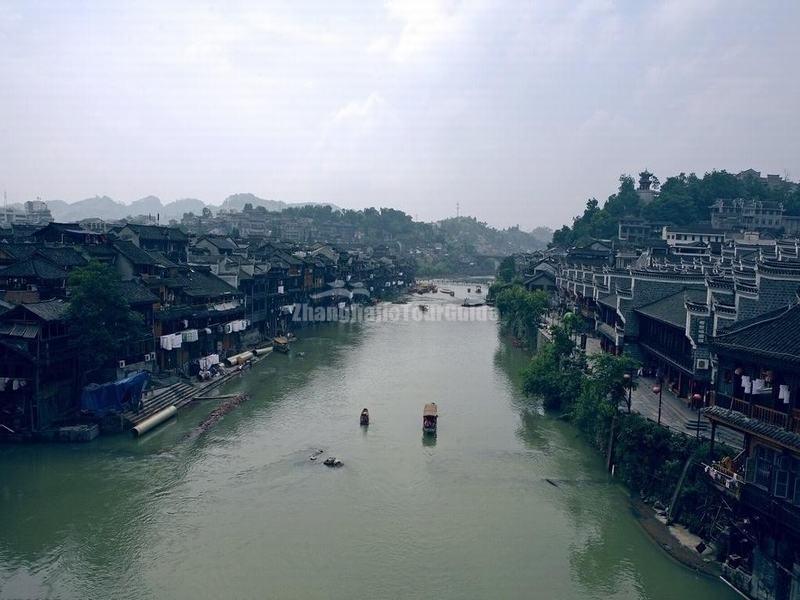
column 738, row 370
column 656, row 389
column 697, row 397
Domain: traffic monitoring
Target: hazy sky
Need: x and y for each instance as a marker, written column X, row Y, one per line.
column 517, row 110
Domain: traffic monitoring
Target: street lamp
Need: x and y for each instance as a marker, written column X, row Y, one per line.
column 657, row 390
column 629, row 384
column 696, row 398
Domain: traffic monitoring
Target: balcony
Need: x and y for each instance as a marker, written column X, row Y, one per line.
column 727, row 474
column 789, row 421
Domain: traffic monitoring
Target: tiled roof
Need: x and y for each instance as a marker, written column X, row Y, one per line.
column 156, row 232
column 610, row 301
column 19, row 251
column 52, row 310
column 772, row 335
column 206, row 284
column 220, row 241
column 161, row 260
column 135, row 293
column 743, row 423
column 34, row 267
column 133, row 253
column 672, row 309
column 63, row 256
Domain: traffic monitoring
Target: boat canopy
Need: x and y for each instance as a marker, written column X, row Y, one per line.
column 430, row 410
column 280, row 340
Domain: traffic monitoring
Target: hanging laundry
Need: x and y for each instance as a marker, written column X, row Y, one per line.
column 166, row 342
column 784, row 394
column 177, row 339
column 190, row 335
column 746, row 383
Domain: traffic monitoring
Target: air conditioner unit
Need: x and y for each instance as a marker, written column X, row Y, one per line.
column 701, row 364
column 122, row 364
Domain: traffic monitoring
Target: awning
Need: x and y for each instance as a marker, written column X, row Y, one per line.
column 23, row 330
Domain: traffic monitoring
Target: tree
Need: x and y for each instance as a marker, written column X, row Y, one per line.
column 99, row 316
column 603, row 389
column 556, row 371
column 521, row 310
column 507, row 269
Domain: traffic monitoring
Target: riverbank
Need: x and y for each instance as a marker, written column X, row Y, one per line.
column 679, row 547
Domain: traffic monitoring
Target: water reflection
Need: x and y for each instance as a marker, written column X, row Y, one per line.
column 428, row 440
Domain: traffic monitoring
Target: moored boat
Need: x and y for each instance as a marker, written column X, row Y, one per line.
column 280, row 344
column 430, row 416
column 365, row 417
column 473, row 302
column 447, row 291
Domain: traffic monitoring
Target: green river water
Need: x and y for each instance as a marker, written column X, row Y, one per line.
column 240, row 511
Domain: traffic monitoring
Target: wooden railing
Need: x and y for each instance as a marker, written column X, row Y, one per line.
column 777, row 418
column 768, row 415
column 740, row 406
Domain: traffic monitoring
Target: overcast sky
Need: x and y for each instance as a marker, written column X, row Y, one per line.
column 518, row 111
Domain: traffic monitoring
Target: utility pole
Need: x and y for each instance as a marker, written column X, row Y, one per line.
column 458, row 210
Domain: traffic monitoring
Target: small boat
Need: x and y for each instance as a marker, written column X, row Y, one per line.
column 430, row 415
column 423, row 307
column 365, row 417
column 473, row 302
column 469, row 290
column 447, row 291
column 332, row 461
column 280, row 344
column 478, row 290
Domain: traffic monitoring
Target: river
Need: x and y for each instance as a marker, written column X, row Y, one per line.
column 241, row 512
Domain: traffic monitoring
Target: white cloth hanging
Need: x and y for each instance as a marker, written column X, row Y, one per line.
column 746, row 383
column 177, row 339
column 166, row 342
column 784, row 394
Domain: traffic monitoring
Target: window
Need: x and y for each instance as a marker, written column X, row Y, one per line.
column 781, row 484
column 765, row 459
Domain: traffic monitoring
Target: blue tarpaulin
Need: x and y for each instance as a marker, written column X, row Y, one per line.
column 116, row 396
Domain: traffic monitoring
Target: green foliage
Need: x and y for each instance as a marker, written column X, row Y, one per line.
column 507, row 270
column 554, row 374
column 521, row 311
column 682, row 199
column 99, row 316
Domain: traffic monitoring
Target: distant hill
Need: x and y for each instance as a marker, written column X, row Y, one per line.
column 108, row 209
column 99, row 206
column 238, row 201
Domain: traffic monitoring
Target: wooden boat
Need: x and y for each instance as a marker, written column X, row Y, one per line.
column 473, row 302
column 478, row 290
column 430, row 415
column 447, row 291
column 365, row 417
column 423, row 307
column 280, row 344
